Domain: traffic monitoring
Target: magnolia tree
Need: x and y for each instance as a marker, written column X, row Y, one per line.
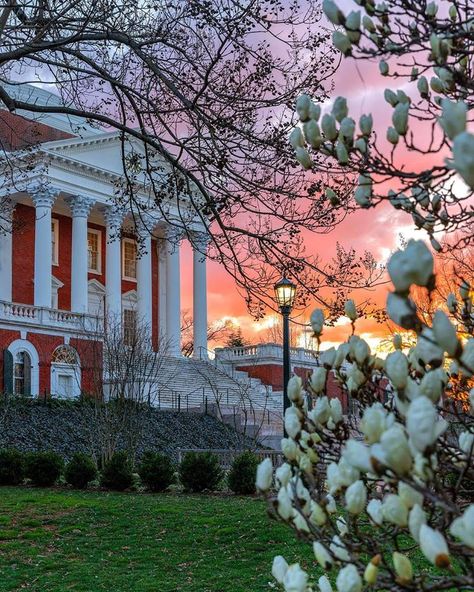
column 400, row 480
column 403, row 478
column 429, row 51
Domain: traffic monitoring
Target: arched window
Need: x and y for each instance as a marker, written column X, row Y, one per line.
column 65, row 354
column 21, row 369
column 65, row 373
column 22, row 374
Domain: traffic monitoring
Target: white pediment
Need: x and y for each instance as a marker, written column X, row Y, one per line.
column 103, row 152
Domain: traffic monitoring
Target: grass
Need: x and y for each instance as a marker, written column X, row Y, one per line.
column 60, row 540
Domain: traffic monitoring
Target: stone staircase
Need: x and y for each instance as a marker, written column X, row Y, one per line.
column 187, row 384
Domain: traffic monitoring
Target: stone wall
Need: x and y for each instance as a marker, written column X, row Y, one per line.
column 72, row 427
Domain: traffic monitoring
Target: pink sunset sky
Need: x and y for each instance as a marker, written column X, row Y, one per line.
column 376, row 230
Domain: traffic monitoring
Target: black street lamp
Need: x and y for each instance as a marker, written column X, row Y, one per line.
column 285, row 292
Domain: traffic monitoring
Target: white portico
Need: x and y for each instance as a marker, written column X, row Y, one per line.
column 71, row 184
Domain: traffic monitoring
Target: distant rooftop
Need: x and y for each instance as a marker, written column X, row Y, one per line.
column 40, row 96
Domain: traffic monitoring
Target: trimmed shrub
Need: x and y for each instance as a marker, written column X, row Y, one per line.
column 117, row 472
column 44, row 468
column 80, row 470
column 242, row 475
column 199, row 471
column 12, row 467
column 156, row 471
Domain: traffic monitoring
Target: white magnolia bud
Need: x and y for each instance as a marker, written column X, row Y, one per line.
column 463, row 527
column 318, row 380
column 422, row 424
column 341, row 42
column 423, row 87
column 431, row 9
column 373, row 423
column 323, row 557
column 390, row 97
column 314, row 111
column 368, row 24
column 296, row 138
column 289, row 448
column 322, row 411
column 403, row 567
column 453, row 117
column 342, row 526
column 302, row 107
column 350, row 310
column 353, row 26
column 336, row 410
column 292, row 422
column 339, row 109
column 361, row 352
column 312, row 133
column 383, row 68
column 333, row 13
column 427, row 351
column 264, row 475
column 365, row 124
column 331, row 507
column 451, row 302
column 279, row 568
column 328, row 357
column 375, row 511
column 356, row 497
column 394, row 510
column 324, row 584
column 445, row 333
column 317, row 321
column 414, row 265
column 463, row 157
column 348, row 128
column 409, row 496
column 283, row 474
column 396, row 367
column 284, row 505
column 416, row 518
column 361, row 145
column 294, row 389
column 348, row 579
column 357, row 455
column 433, row 546
column 393, row 136
column 318, row 515
column 433, row 383
column 296, row 580
column 338, row 549
column 400, row 118
column 341, row 153
column 371, row 573
column 401, row 310
column 303, row 157
column 328, row 125
column 395, row 451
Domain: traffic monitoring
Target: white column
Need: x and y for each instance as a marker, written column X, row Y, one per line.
column 80, row 208
column 113, row 267
column 43, row 200
column 6, row 253
column 200, row 242
column 144, row 286
column 162, row 291
column 173, row 292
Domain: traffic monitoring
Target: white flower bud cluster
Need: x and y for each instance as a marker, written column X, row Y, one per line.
column 388, row 475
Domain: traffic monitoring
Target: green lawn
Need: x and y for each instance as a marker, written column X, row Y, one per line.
column 59, row 540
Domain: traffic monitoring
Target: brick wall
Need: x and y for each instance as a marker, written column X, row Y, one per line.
column 16, row 132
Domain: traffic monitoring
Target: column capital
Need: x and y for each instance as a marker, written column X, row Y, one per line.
column 80, row 205
column 44, row 197
column 114, row 216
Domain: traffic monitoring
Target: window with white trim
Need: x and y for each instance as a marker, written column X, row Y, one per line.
column 22, row 374
column 129, row 259
column 94, row 250
column 55, row 240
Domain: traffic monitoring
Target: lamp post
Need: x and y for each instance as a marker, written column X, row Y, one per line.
column 285, row 292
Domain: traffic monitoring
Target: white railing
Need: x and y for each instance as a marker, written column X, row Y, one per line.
column 27, row 314
column 264, row 352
